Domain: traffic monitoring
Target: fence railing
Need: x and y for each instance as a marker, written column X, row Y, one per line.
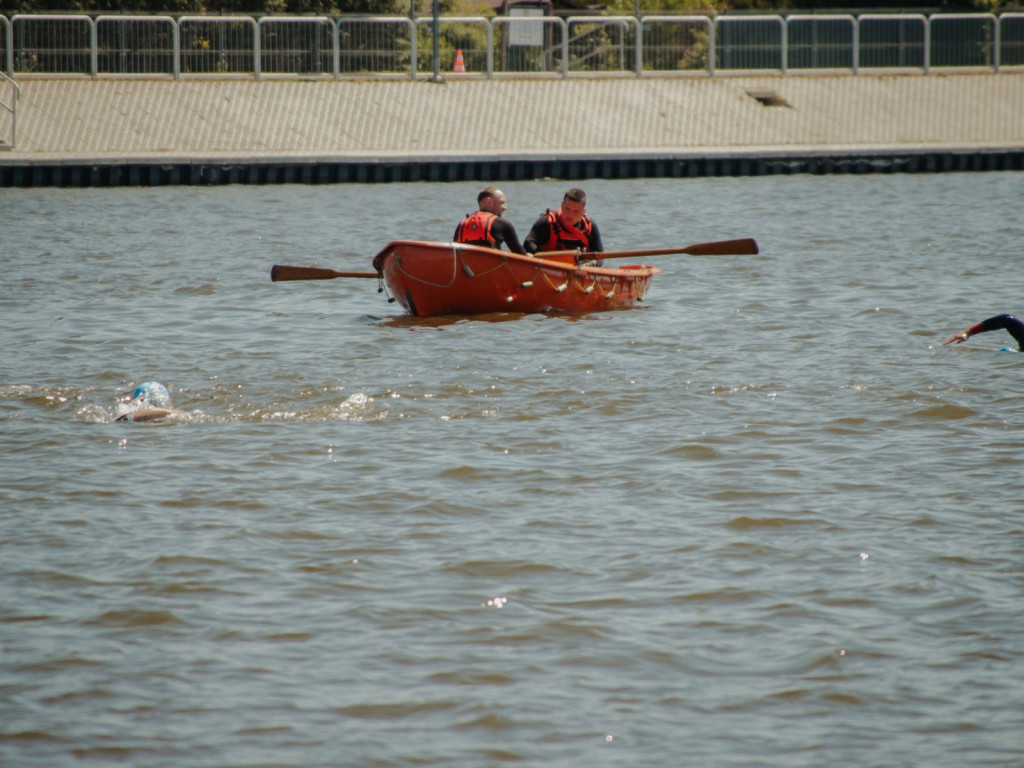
column 397, row 46
column 9, row 111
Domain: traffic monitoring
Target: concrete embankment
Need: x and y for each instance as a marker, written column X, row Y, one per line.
column 97, row 132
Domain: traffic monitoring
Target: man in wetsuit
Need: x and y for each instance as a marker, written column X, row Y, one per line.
column 486, row 227
column 1008, row 322
column 567, row 229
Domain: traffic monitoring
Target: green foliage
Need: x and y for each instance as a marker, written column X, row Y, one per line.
column 372, row 7
column 235, row 7
column 658, row 7
column 310, row 8
column 768, row 6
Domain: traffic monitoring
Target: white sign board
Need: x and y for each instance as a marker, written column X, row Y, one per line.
column 526, row 32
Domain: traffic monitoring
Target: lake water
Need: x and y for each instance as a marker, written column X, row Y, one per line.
column 764, row 520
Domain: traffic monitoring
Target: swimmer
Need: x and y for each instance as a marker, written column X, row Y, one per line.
column 1008, row 322
column 149, row 402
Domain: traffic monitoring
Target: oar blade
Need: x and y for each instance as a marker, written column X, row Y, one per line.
column 746, row 246
column 281, row 272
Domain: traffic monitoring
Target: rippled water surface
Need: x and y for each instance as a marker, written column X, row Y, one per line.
column 766, row 519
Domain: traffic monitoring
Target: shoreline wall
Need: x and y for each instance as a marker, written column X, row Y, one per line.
column 114, row 132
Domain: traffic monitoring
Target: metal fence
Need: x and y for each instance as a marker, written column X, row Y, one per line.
column 513, row 45
column 9, row 93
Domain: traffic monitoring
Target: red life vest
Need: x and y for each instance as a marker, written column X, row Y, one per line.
column 475, row 229
column 564, row 237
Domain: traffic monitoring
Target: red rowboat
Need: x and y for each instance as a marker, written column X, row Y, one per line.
column 457, row 279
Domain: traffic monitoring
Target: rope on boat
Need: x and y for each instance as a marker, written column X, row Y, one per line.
column 383, row 288
column 449, row 284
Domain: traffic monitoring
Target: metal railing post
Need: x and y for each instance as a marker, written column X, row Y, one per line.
column 997, row 43
column 8, row 63
column 94, row 58
column 176, row 37
column 256, row 63
column 712, row 52
column 638, row 53
column 856, row 47
column 927, row 45
column 414, row 58
column 784, row 44
column 12, row 107
column 336, row 52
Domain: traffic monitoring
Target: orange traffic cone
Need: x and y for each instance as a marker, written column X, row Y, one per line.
column 460, row 64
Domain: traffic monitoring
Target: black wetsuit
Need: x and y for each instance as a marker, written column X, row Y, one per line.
column 1012, row 325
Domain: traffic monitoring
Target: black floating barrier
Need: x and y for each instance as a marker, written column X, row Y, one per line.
column 136, row 173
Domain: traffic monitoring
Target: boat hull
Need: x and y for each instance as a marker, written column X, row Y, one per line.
column 429, row 278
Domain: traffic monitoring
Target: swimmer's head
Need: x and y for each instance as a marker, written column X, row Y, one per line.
column 153, row 394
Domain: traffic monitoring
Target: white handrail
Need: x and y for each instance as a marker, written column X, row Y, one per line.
column 12, row 108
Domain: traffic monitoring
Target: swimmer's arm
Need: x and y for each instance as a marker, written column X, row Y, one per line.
column 148, row 414
column 1014, row 326
column 959, row 338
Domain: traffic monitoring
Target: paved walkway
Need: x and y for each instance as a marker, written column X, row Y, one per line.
column 95, row 118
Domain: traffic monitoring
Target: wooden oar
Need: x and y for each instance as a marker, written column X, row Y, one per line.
column 283, row 272
column 744, row 247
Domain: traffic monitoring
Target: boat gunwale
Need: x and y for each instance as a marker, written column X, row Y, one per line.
column 630, row 270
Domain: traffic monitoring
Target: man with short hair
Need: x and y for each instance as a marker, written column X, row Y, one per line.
column 567, row 229
column 486, row 227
